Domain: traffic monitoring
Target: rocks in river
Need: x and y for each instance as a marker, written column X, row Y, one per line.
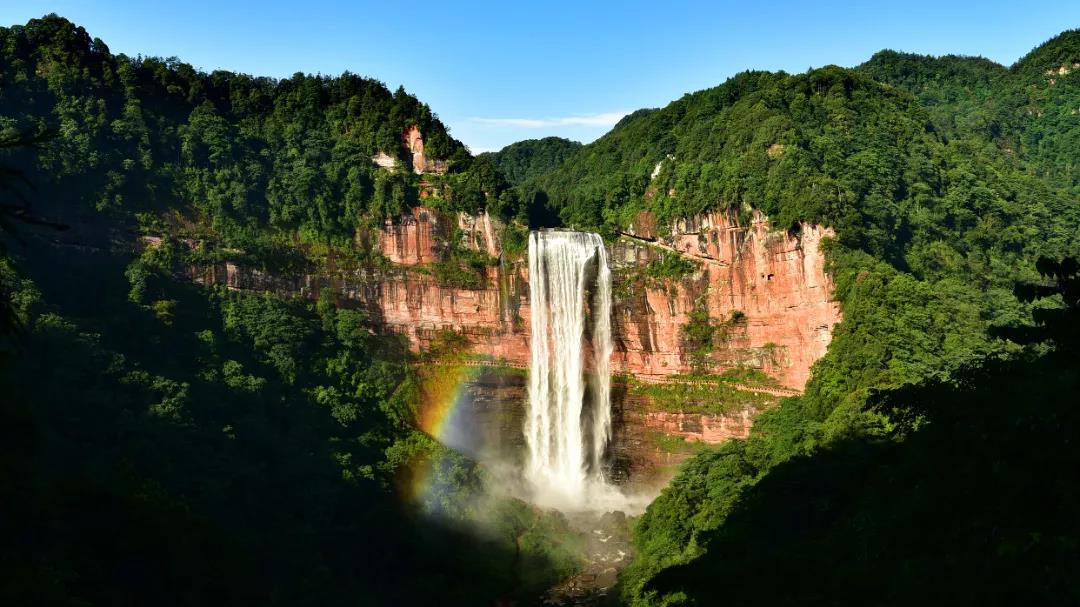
column 607, row 549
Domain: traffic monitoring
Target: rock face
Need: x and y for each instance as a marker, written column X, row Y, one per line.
column 776, row 280
column 700, row 428
column 385, row 161
column 491, row 414
column 421, row 164
column 415, row 238
column 413, row 141
column 494, row 319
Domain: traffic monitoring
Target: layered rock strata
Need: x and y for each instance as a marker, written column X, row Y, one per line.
column 775, row 281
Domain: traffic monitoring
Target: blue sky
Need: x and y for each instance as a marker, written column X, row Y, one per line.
column 499, row 72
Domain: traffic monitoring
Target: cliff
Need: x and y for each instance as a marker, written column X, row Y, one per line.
column 647, row 442
column 413, row 141
column 776, row 280
column 421, row 163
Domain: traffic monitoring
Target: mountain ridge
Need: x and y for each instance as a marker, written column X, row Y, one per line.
column 270, row 436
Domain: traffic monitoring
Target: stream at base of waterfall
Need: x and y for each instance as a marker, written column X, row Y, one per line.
column 568, row 421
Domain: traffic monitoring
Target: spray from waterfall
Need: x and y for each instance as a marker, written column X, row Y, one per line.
column 569, row 419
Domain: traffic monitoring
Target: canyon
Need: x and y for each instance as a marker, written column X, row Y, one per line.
column 774, row 283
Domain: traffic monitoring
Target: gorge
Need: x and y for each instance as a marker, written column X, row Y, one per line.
column 773, row 284
column 665, row 399
column 794, row 339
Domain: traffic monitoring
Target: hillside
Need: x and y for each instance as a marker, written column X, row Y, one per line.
column 945, row 179
column 251, row 159
column 211, row 440
column 525, row 160
column 207, row 445
column 1027, row 110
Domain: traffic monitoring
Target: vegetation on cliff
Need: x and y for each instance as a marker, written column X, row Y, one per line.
column 166, row 443
column 219, row 446
column 703, row 395
column 942, row 204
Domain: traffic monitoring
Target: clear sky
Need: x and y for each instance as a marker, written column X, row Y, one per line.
column 499, row 72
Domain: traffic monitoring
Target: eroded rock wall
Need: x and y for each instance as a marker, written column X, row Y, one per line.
column 775, row 279
column 701, row 428
column 641, row 455
column 421, row 163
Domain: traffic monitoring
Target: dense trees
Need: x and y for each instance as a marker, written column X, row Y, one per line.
column 207, row 446
column 829, row 146
column 1026, row 111
column 245, row 155
column 524, row 160
column 942, row 204
column 966, row 497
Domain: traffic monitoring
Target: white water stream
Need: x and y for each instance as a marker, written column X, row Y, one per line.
column 569, row 419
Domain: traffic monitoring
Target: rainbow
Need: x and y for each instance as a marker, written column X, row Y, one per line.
column 442, row 415
column 442, row 401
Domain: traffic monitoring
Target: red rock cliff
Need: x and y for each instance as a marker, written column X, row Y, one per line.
column 414, row 142
column 777, row 280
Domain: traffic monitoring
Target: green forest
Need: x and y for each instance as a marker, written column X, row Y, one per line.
column 948, row 181
column 525, row 160
column 894, row 479
column 170, row 443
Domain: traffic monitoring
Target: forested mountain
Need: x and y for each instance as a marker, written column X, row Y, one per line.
column 1026, row 110
column 945, row 179
column 210, row 446
column 248, row 157
column 168, row 444
column 524, row 160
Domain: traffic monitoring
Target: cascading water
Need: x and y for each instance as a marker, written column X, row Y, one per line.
column 569, row 422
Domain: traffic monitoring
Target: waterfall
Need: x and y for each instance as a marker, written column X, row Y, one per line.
column 569, row 419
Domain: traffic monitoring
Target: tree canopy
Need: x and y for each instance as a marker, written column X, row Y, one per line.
column 208, row 445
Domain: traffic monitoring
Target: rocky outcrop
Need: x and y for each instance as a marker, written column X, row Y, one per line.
column 776, row 280
column 413, row 141
column 384, row 161
column 421, row 164
column 703, row 428
column 415, row 238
